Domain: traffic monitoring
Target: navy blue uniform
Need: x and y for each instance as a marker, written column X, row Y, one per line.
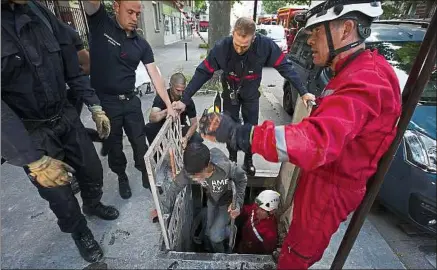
column 242, row 74
column 114, row 59
column 152, row 129
column 72, row 96
column 37, row 119
column 243, row 71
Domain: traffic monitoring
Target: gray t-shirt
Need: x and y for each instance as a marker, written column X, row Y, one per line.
column 217, row 185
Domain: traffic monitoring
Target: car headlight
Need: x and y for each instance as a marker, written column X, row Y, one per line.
column 420, row 150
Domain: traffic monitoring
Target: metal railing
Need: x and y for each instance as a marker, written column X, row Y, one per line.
column 163, row 161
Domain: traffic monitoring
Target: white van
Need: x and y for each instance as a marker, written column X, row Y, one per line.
column 275, row 32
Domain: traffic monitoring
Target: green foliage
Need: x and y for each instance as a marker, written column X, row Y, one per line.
column 399, row 9
column 392, row 10
column 203, row 46
column 109, row 7
column 272, row 6
column 200, row 6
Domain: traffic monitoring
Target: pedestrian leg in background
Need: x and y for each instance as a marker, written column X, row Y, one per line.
column 134, row 127
column 250, row 112
column 114, row 143
column 232, row 110
column 217, row 226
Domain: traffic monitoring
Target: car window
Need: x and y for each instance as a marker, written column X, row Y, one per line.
column 301, row 51
column 298, row 44
column 262, row 31
column 275, row 33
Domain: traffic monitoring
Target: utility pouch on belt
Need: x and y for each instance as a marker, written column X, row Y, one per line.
column 234, row 96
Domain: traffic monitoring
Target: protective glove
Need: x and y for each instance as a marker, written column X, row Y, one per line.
column 50, row 172
column 102, row 121
column 222, row 128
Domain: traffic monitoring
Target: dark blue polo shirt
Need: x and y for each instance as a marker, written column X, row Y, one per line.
column 114, row 56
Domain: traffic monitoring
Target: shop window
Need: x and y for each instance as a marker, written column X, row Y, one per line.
column 156, row 15
column 173, row 26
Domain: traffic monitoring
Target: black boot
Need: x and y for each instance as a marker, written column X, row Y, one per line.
column 145, row 179
column 233, row 155
column 102, row 211
column 123, row 186
column 88, row 248
column 248, row 165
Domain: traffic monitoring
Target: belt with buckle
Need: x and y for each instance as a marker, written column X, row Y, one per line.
column 126, row 96
column 31, row 124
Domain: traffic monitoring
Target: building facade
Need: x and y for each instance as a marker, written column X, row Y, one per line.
column 166, row 22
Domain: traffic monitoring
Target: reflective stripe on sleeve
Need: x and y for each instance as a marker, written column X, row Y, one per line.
column 281, row 144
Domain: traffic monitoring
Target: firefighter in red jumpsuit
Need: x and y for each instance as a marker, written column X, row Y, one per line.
column 260, row 227
column 339, row 145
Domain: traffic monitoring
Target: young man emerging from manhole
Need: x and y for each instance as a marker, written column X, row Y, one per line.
column 213, row 170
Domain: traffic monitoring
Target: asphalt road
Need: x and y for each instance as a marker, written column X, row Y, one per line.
column 415, row 249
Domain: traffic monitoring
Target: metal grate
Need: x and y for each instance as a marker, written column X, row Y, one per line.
column 176, row 226
column 73, row 16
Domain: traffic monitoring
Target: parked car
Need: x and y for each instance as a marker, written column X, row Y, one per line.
column 275, row 32
column 409, row 188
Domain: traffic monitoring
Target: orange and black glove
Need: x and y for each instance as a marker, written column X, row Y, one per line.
column 50, row 172
column 218, row 127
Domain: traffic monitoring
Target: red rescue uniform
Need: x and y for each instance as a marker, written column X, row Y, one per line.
column 337, row 148
column 258, row 236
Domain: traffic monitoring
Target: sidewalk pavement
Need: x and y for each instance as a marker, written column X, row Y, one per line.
column 32, row 239
column 171, row 58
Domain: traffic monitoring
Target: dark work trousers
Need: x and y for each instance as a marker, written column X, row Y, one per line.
column 249, row 110
column 152, row 130
column 67, row 140
column 124, row 114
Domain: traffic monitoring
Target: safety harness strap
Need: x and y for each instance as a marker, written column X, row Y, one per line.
column 333, row 52
column 255, row 231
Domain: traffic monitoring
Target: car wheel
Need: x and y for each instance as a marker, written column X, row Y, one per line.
column 288, row 100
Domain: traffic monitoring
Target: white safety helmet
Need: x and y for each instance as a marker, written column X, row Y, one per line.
column 268, row 200
column 331, row 10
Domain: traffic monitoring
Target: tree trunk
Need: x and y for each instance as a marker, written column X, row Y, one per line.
column 218, row 28
column 219, row 21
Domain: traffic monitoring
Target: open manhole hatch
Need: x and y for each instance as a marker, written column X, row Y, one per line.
column 164, row 160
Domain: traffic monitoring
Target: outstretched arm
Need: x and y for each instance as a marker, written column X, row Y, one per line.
column 174, row 189
column 204, row 72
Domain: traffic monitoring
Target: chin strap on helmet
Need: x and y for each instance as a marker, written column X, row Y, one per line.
column 334, row 52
